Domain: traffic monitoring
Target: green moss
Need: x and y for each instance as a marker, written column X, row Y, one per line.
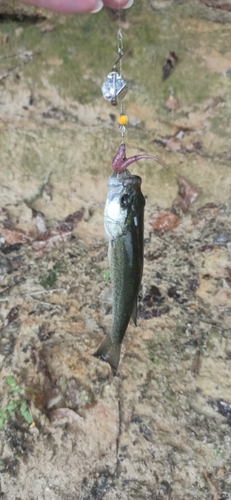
column 220, row 123
column 52, row 275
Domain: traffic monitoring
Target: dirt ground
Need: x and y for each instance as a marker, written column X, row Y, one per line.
column 160, row 429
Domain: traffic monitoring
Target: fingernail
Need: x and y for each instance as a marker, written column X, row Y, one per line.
column 129, row 4
column 98, row 8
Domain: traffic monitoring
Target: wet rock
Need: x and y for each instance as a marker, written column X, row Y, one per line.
column 5, row 249
column 6, row 266
column 78, row 395
column 221, row 239
column 165, row 221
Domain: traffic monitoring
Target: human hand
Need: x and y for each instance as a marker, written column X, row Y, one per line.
column 74, row 6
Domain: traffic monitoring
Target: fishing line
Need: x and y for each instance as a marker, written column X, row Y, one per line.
column 124, row 225
column 114, row 88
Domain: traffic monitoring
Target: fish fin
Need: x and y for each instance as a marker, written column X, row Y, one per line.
column 110, row 353
column 109, row 252
column 134, row 313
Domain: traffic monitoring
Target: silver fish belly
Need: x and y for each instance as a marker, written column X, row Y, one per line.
column 124, row 225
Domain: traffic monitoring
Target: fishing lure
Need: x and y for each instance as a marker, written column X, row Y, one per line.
column 120, row 162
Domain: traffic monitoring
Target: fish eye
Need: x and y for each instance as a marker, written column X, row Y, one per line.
column 124, row 200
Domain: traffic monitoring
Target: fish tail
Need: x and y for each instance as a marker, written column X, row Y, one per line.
column 110, row 353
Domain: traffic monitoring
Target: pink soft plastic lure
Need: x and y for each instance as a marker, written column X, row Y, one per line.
column 120, row 162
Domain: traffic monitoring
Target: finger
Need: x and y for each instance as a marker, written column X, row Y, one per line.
column 118, row 4
column 67, row 7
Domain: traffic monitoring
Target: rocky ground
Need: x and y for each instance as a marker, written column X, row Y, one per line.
column 160, row 429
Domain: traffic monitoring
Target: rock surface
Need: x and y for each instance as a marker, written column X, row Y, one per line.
column 160, row 430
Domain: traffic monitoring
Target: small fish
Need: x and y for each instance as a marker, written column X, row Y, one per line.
column 124, row 224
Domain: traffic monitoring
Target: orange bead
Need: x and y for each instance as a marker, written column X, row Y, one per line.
column 122, row 119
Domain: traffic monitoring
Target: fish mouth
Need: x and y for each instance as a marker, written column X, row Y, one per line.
column 124, row 179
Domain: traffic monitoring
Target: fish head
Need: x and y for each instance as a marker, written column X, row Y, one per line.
column 124, row 205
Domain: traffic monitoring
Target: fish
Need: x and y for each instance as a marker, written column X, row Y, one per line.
column 124, row 225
